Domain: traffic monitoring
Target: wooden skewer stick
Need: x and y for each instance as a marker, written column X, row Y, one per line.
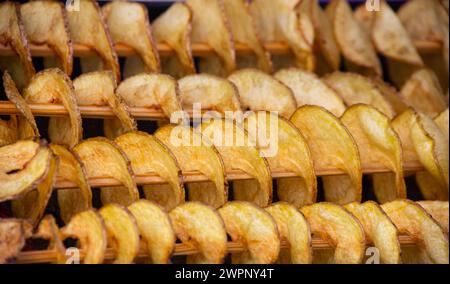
column 48, row 256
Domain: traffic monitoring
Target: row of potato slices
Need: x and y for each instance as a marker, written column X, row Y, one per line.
column 144, row 228
column 302, row 25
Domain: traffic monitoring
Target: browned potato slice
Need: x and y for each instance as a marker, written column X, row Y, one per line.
column 46, row 23
column 213, row 93
column 378, row 144
column 255, row 229
column 12, row 34
column 378, row 229
column 155, row 229
column 148, row 155
column 424, row 94
column 308, row 89
column 210, row 26
column 122, row 232
column 12, row 239
column 128, row 22
column 243, row 28
column 238, row 153
column 340, row 228
column 52, row 86
column 103, row 158
column 259, row 91
column 438, row 210
column 412, row 219
column 48, row 230
column 391, row 94
column 8, row 130
column 332, row 147
column 75, row 200
column 89, row 28
column 202, row 228
column 289, row 152
column 193, row 154
column 365, row 18
column 88, row 227
column 356, row 89
column 173, row 28
column 294, row 229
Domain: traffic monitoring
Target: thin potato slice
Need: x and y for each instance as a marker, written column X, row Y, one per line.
column 194, row 155
column 391, row 94
column 255, row 229
column 212, row 28
column 88, row 227
column 356, row 89
column 8, row 130
column 412, row 219
column 259, row 91
column 12, row 34
column 288, row 151
column 365, row 18
column 129, row 21
column 238, row 153
column 48, row 230
column 342, row 230
column 332, row 147
column 122, row 232
column 52, row 86
column 202, row 228
column 442, row 122
column 148, row 155
column 293, row 228
column 211, row 92
column 173, row 28
column 438, row 210
column 378, row 229
column 353, row 42
column 89, row 28
column 423, row 93
column 12, row 239
column 72, row 201
column 155, row 229
column 378, row 144
column 308, row 89
column 103, row 158
column 46, row 23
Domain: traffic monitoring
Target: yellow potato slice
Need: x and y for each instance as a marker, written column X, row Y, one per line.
column 48, row 230
column 391, row 94
column 438, row 210
column 442, row 123
column 8, row 130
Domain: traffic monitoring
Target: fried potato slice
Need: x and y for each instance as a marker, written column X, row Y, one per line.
column 155, row 229
column 288, row 151
column 52, row 86
column 238, row 153
column 12, row 34
column 243, row 28
column 391, row 94
column 129, row 21
column 151, row 91
column 173, row 28
column 211, row 92
column 122, row 232
column 103, row 158
column 354, row 44
column 412, row 219
column 332, row 147
column 294, row 229
column 423, row 93
column 442, row 122
column 148, row 155
column 259, row 91
column 212, row 28
column 365, row 18
column 26, row 124
column 308, row 89
column 379, row 230
column 98, row 88
column 46, row 23
column 75, row 200
column 193, row 154
column 438, row 210
column 255, row 229
column 12, row 239
column 48, row 230
column 89, row 28
column 341, row 229
column 201, row 227
column 356, row 89
column 378, row 144
column 8, row 130
column 90, row 230
column 25, row 164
